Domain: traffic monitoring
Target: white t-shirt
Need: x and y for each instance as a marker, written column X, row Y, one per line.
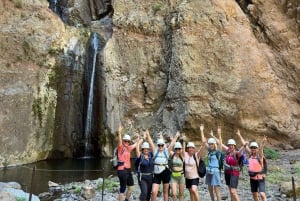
column 160, row 161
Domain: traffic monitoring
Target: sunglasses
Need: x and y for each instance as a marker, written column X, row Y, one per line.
column 253, row 147
column 126, row 141
column 177, row 148
column 160, row 145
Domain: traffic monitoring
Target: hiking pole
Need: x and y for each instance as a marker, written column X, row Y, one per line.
column 31, row 185
column 294, row 190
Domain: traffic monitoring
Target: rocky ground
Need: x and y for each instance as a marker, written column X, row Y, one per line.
column 278, row 185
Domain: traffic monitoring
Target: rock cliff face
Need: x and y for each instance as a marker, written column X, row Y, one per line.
column 168, row 65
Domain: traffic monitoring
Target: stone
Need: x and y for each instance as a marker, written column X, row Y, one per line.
column 87, row 192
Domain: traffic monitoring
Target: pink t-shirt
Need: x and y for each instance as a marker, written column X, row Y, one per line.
column 124, row 156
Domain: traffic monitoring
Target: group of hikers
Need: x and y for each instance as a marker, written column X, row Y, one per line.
column 176, row 166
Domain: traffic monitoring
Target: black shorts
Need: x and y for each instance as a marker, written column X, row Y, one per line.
column 231, row 180
column 257, row 185
column 125, row 178
column 164, row 177
column 190, row 182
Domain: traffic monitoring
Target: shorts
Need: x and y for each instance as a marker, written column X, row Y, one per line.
column 191, row 182
column 164, row 177
column 213, row 179
column 232, row 181
column 125, row 178
column 257, row 185
column 177, row 180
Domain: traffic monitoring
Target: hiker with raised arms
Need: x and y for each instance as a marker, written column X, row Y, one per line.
column 213, row 176
column 145, row 166
column 191, row 159
column 256, row 167
column 176, row 165
column 161, row 170
column 232, row 167
column 124, row 164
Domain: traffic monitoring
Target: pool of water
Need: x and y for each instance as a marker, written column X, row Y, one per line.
column 58, row 171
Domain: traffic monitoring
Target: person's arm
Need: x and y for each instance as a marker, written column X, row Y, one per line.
column 137, row 150
column 150, row 140
column 244, row 142
column 135, row 143
column 261, row 149
column 203, row 139
column 170, row 147
column 183, row 145
column 221, row 145
column 120, row 135
column 201, row 149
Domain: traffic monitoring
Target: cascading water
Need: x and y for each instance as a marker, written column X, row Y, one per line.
column 94, row 44
column 80, row 108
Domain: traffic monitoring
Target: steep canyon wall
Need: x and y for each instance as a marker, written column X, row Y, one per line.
column 168, row 65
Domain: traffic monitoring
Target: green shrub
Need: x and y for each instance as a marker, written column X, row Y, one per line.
column 18, row 3
column 109, row 185
column 156, row 7
column 271, row 154
column 20, row 199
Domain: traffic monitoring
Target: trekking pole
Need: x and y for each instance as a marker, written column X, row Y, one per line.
column 294, row 190
column 31, row 185
column 103, row 188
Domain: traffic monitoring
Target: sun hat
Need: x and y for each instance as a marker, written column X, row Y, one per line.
column 145, row 145
column 253, row 144
column 126, row 137
column 212, row 141
column 160, row 141
column 177, row 145
column 231, row 142
column 190, row 144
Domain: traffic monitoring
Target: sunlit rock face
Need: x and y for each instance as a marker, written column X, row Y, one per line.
column 167, row 66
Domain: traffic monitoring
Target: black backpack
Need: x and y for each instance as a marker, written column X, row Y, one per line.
column 201, row 167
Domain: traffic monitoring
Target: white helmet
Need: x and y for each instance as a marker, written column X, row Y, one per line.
column 177, row 145
column 231, row 142
column 126, row 137
column 190, row 144
column 253, row 144
column 145, row 145
column 211, row 141
column 160, row 141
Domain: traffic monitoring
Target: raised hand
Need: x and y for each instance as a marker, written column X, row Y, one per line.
column 183, row 137
column 201, row 127
column 219, row 130
column 120, row 128
column 238, row 132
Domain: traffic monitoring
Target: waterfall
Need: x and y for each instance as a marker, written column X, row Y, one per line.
column 94, row 44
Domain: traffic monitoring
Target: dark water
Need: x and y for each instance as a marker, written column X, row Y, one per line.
column 58, row 171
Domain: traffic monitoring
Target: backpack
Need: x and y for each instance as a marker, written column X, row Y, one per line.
column 201, row 167
column 220, row 156
column 170, row 162
column 156, row 154
column 115, row 159
column 240, row 160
